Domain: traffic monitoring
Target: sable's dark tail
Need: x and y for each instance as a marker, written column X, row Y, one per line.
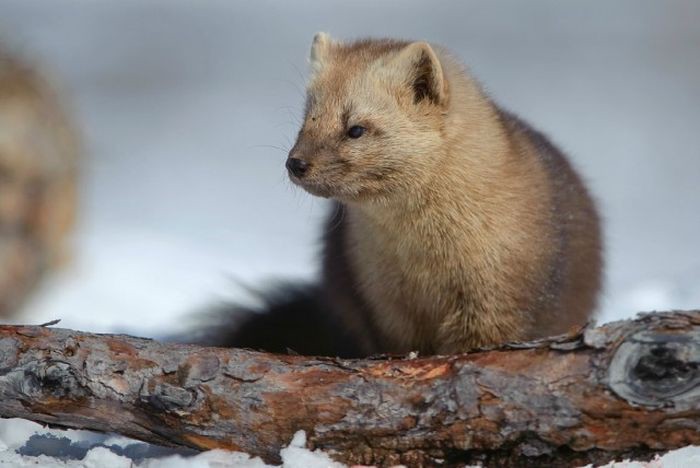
column 291, row 320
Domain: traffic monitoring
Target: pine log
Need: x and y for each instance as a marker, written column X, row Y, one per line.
column 38, row 170
column 629, row 388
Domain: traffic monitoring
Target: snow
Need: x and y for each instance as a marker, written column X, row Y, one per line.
column 25, row 443
column 682, row 458
column 187, row 109
column 297, row 456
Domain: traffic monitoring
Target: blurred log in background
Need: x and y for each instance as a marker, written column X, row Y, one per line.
column 39, row 155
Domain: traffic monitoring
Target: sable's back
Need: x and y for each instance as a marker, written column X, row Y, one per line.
column 576, row 277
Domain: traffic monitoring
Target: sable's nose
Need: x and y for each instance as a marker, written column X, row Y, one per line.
column 297, row 166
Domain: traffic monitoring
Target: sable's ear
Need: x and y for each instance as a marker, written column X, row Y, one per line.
column 418, row 65
column 320, row 51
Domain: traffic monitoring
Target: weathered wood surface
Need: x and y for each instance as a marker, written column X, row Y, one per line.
column 38, row 167
column 626, row 388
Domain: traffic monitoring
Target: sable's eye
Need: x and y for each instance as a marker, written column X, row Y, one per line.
column 356, row 131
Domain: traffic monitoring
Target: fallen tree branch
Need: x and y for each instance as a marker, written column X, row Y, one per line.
column 626, row 388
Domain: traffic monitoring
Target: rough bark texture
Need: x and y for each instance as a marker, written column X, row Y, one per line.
column 626, row 388
column 38, row 165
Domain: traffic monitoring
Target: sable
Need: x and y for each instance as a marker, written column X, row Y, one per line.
column 458, row 225
column 629, row 388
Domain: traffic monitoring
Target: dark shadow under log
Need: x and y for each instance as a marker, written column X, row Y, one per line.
column 629, row 388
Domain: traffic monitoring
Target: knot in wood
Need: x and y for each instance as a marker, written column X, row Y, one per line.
column 654, row 368
column 49, row 378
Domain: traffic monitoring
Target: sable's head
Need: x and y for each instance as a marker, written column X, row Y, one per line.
column 373, row 122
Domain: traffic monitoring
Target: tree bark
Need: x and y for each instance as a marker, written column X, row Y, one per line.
column 629, row 388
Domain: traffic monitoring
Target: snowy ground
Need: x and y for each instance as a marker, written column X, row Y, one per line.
column 187, row 108
column 24, row 443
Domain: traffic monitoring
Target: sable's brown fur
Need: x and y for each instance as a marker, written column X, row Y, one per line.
column 459, row 225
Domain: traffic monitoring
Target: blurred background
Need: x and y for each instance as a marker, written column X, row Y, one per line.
column 186, row 110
